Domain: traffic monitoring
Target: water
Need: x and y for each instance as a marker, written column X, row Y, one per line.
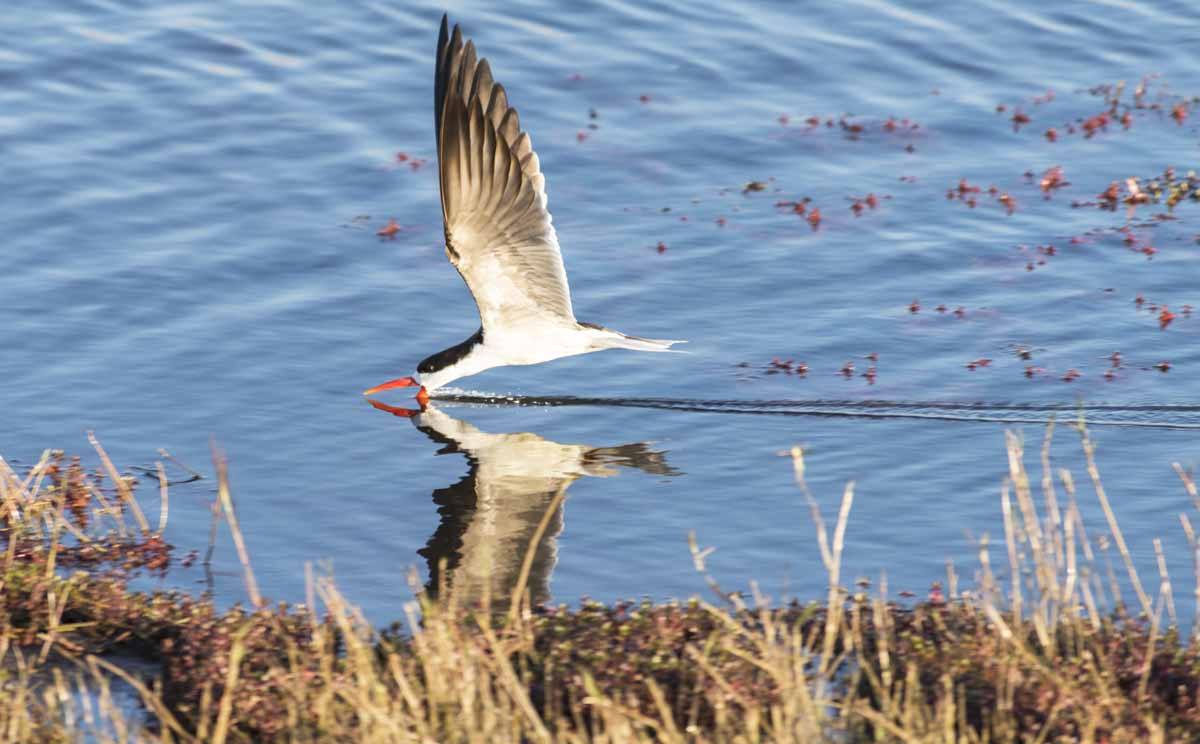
column 190, row 199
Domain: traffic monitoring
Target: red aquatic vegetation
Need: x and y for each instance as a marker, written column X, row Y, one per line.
column 967, row 193
column 901, row 125
column 1136, row 195
column 1135, row 244
column 798, row 207
column 1053, row 179
column 1110, row 196
column 413, row 163
column 784, row 366
column 870, row 201
column 852, row 130
column 1168, row 188
column 1165, row 317
column 1094, row 124
column 1046, row 252
column 389, row 231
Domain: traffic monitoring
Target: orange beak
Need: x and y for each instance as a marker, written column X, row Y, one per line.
column 422, row 395
column 402, row 412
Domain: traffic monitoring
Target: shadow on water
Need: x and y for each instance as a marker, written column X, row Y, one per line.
column 1159, row 416
column 490, row 517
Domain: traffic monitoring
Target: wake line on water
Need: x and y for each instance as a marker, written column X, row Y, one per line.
column 1153, row 415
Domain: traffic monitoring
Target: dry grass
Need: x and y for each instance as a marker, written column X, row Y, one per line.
column 1045, row 653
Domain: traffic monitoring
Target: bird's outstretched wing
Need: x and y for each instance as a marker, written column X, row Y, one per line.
column 498, row 231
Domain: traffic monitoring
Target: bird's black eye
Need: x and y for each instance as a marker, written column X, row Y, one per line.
column 451, row 356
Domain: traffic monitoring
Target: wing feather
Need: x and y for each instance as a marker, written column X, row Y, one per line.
column 499, row 234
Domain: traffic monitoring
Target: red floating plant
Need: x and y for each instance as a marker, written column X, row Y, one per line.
column 389, row 230
column 1165, row 317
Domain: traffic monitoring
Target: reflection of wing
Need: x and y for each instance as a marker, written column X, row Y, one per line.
column 489, row 518
column 498, row 231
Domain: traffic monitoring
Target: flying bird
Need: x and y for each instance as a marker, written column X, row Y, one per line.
column 499, row 233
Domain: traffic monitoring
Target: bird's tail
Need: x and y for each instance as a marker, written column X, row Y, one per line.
column 607, row 338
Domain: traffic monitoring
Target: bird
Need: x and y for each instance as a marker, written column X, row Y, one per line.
column 498, row 233
column 490, row 517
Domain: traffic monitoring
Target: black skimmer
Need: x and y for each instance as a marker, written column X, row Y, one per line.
column 498, row 233
column 490, row 516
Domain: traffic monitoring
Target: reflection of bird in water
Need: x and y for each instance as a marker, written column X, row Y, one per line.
column 489, row 518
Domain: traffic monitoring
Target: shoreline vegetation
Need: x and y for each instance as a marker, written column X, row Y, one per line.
column 1043, row 646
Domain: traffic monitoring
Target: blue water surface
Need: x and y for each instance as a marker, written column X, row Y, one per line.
column 189, row 202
